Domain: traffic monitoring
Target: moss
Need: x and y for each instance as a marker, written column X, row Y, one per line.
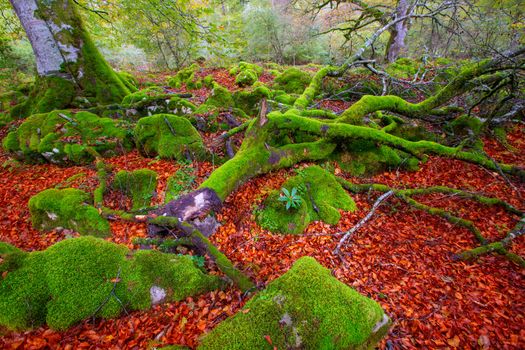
column 73, row 279
column 243, row 66
column 168, row 136
column 154, row 100
column 465, row 125
column 404, row 68
column 365, row 158
column 186, row 76
column 207, row 81
column 67, row 208
column 51, row 93
column 139, row 184
column 10, row 257
column 321, row 197
column 246, row 77
column 64, row 137
column 248, row 100
column 220, row 97
column 129, row 80
column 292, row 80
column 306, row 308
column 284, row 98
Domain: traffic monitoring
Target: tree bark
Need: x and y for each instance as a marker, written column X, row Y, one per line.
column 396, row 44
column 68, row 63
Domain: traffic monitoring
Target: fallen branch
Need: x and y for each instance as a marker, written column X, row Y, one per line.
column 361, row 222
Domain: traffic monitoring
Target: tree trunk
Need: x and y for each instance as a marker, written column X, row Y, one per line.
column 68, row 63
column 396, row 43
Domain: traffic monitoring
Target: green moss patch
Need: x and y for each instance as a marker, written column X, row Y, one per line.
column 63, row 137
column 140, row 185
column 306, row 308
column 67, row 208
column 83, row 277
column 321, row 197
column 365, row 158
column 154, row 100
column 186, row 76
column 169, row 136
column 248, row 100
column 293, row 80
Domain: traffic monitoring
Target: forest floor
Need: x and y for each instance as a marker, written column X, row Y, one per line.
column 402, row 258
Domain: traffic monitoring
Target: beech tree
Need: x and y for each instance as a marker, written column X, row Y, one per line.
column 68, row 63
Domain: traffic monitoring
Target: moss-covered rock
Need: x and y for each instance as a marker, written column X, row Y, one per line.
column 83, row 277
column 67, row 208
column 404, row 68
column 321, row 197
column 139, row 184
column 292, row 80
column 154, row 100
column 248, row 100
column 168, row 136
column 186, row 76
column 65, row 137
column 242, row 66
column 220, row 97
column 306, row 308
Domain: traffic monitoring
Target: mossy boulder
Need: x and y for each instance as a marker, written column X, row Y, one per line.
column 87, row 277
column 246, row 77
column 169, row 136
column 67, row 208
column 139, row 184
column 154, row 100
column 242, row 66
column 404, row 68
column 321, row 197
column 248, row 100
column 306, row 308
column 186, row 76
column 220, row 97
column 64, row 137
column 292, row 80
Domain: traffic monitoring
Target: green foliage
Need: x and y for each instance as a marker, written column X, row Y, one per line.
column 306, row 308
column 320, row 198
column 168, row 136
column 179, row 183
column 290, row 198
column 139, row 184
column 83, row 277
column 67, row 208
column 64, row 137
column 292, row 80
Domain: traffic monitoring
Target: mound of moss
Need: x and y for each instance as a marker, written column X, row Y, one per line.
column 404, row 68
column 139, row 184
column 246, row 73
column 186, row 76
column 154, row 100
column 87, row 277
column 219, row 97
column 292, row 80
column 248, row 100
column 64, row 137
column 306, row 308
column 168, row 136
column 67, row 208
column 321, row 197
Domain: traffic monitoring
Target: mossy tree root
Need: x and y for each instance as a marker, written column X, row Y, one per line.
column 332, row 132
column 499, row 247
column 102, row 175
column 198, row 240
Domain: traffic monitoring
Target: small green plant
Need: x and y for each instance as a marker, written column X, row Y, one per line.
column 290, row 198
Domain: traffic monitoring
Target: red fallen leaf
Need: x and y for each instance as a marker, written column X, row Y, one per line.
column 115, row 280
column 245, row 311
column 4, row 274
column 268, row 339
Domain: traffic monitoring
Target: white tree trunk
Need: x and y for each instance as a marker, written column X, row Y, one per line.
column 396, row 45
